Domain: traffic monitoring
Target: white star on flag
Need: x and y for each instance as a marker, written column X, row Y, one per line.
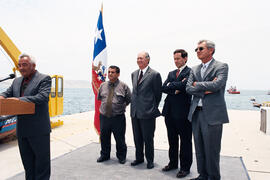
column 98, row 35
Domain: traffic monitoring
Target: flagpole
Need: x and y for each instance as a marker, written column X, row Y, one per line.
column 101, row 8
column 99, row 66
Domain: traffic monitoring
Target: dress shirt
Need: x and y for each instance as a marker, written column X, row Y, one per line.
column 144, row 71
column 181, row 68
column 121, row 97
column 25, row 82
column 205, row 66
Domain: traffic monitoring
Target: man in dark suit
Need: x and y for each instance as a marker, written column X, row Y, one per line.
column 176, row 110
column 33, row 130
column 145, row 98
column 208, row 110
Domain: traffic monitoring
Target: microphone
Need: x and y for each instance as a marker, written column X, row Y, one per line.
column 11, row 76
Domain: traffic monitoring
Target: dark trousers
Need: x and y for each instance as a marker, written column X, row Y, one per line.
column 207, row 140
column 143, row 133
column 182, row 128
column 35, row 155
column 117, row 126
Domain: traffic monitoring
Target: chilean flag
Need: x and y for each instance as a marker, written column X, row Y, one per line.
column 99, row 66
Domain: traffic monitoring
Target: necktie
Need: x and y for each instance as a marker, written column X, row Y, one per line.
column 177, row 73
column 109, row 101
column 203, row 69
column 140, row 77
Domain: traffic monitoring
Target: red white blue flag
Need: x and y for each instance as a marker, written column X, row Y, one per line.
column 99, row 66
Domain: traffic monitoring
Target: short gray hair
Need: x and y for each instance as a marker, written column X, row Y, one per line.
column 31, row 58
column 209, row 44
column 147, row 56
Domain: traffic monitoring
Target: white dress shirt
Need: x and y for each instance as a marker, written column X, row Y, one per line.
column 203, row 70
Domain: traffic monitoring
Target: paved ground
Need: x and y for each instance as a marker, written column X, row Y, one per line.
column 81, row 165
column 241, row 138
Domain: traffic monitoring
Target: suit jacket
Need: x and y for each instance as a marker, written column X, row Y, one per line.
column 37, row 92
column 214, row 106
column 146, row 95
column 176, row 105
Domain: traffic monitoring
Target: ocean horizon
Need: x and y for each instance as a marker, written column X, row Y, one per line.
column 78, row 100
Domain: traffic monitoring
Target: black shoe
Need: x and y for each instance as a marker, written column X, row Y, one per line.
column 122, row 161
column 136, row 162
column 169, row 167
column 150, row 165
column 182, row 174
column 102, row 158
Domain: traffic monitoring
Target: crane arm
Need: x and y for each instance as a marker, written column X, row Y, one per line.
column 10, row 48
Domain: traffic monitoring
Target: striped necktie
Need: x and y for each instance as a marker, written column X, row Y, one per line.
column 203, row 69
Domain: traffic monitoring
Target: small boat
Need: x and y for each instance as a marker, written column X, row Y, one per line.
column 233, row 90
column 266, row 104
column 257, row 104
column 7, row 126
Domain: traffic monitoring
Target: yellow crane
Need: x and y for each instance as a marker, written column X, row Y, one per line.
column 57, row 88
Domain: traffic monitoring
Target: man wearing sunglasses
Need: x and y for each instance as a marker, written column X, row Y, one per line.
column 208, row 110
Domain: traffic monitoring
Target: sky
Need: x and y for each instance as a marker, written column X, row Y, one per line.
column 60, row 35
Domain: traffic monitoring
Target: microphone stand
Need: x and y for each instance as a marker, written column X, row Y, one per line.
column 11, row 76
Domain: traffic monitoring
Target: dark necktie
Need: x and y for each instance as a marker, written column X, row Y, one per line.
column 177, row 73
column 109, row 101
column 140, row 77
column 24, row 85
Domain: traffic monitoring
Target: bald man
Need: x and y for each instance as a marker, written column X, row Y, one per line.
column 145, row 98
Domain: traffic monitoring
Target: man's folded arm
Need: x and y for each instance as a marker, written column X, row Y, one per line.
column 217, row 83
column 191, row 89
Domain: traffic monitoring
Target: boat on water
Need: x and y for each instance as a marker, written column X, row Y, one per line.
column 255, row 104
column 233, row 90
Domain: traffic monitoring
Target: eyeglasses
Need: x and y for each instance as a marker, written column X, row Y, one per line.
column 199, row 49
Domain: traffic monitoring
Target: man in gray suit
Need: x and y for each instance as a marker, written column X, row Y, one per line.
column 208, row 110
column 145, row 98
column 33, row 130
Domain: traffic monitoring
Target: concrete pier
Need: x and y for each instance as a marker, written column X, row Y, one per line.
column 241, row 138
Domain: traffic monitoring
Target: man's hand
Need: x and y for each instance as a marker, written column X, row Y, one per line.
column 194, row 83
column 209, row 92
column 177, row 91
column 184, row 79
column 14, row 98
column 2, row 97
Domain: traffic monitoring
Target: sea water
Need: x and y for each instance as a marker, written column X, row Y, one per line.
column 77, row 100
column 82, row 100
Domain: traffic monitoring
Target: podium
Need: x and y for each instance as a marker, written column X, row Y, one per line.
column 16, row 107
